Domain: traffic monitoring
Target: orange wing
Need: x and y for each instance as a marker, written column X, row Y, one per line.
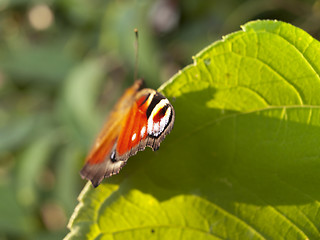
column 134, row 128
column 98, row 163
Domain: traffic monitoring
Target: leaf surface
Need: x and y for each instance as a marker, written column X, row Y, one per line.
column 242, row 161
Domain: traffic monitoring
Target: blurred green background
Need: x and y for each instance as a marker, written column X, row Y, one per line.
column 64, row 63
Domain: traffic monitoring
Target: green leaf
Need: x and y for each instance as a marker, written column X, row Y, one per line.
column 242, row 161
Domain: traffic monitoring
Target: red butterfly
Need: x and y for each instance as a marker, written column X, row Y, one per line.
column 142, row 118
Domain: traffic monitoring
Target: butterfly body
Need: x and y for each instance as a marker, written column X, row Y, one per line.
column 142, row 118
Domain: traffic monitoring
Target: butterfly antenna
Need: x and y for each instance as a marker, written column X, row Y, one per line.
column 136, row 46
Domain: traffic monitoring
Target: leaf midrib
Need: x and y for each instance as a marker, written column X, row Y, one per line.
column 166, row 226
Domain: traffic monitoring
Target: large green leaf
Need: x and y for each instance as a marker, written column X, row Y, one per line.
column 242, row 161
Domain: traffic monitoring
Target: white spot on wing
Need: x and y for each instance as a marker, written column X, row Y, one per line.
column 150, row 125
column 113, row 154
column 156, row 127
column 143, row 131
column 133, row 137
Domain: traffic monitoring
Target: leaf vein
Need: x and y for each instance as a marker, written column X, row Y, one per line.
column 164, row 226
column 307, row 196
column 274, row 209
column 295, row 88
column 301, row 53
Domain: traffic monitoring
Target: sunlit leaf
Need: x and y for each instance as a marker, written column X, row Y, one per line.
column 242, row 161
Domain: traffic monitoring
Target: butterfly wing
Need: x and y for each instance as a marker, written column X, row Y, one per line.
column 98, row 163
column 141, row 118
column 147, row 124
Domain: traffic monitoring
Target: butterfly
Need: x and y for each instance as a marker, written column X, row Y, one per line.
column 141, row 118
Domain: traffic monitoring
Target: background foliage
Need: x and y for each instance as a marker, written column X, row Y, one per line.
column 63, row 64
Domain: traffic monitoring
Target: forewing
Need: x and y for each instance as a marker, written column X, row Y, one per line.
column 99, row 163
column 134, row 130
